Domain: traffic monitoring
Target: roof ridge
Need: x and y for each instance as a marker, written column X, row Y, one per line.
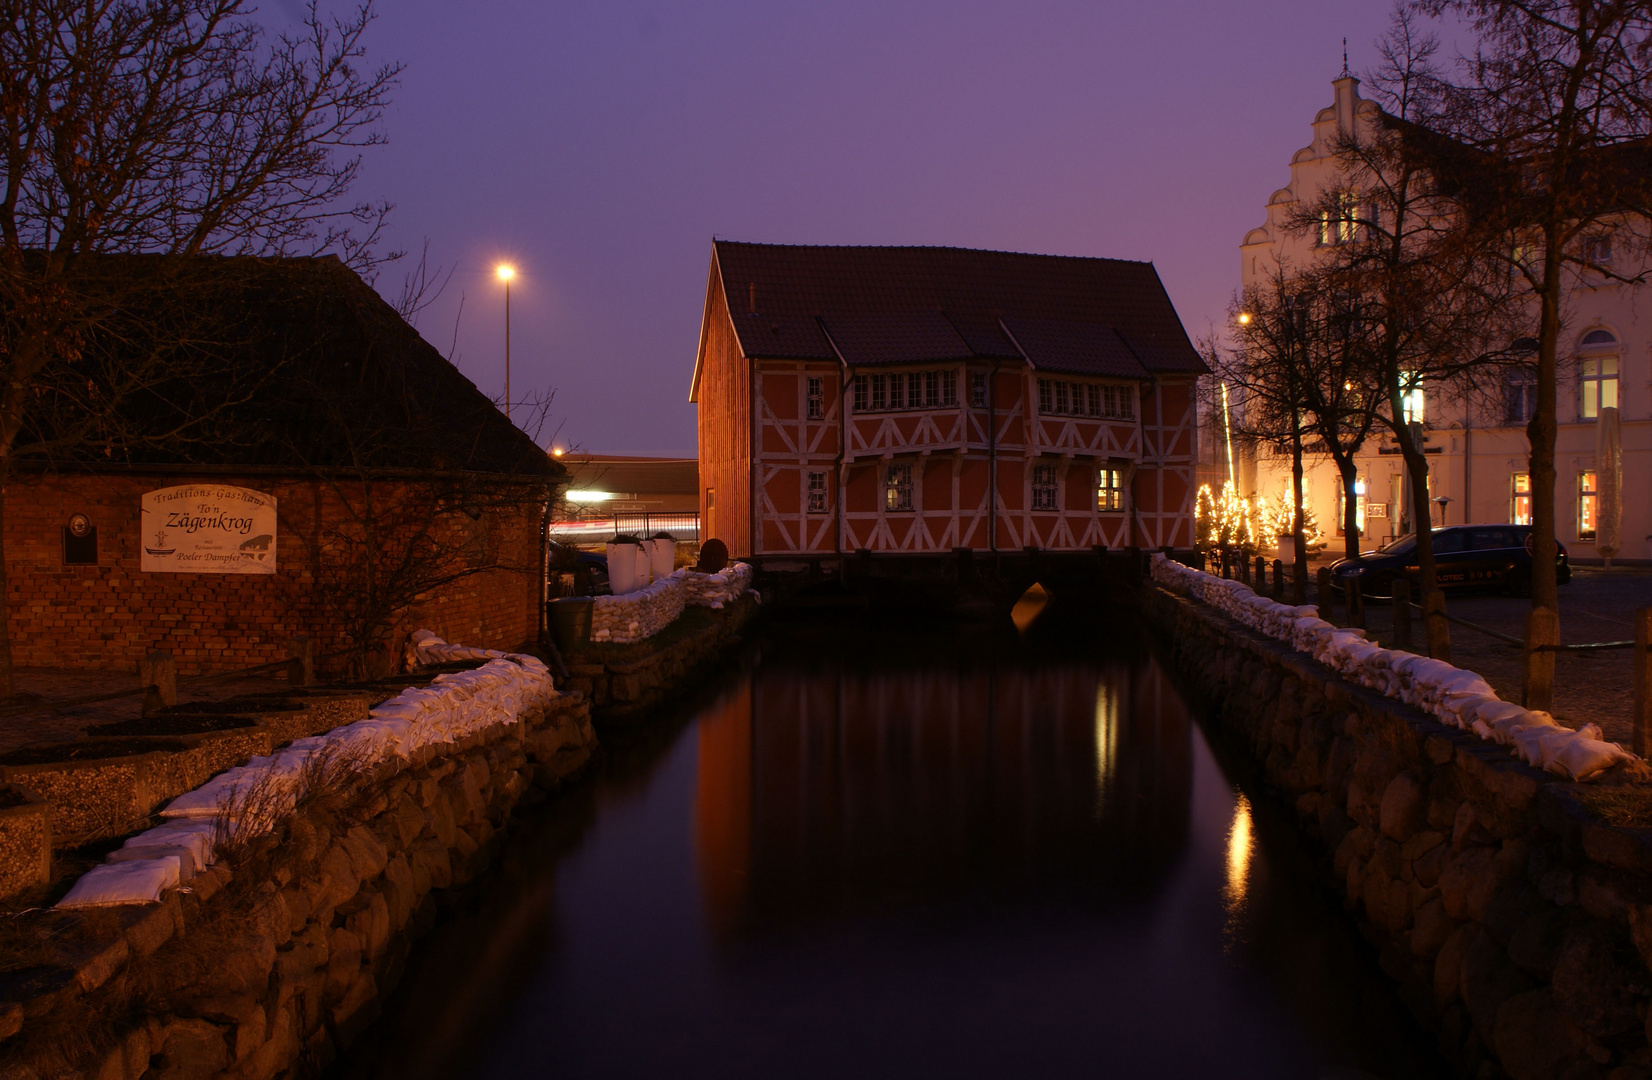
column 926, row 247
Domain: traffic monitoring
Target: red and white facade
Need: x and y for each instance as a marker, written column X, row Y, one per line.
column 927, row 399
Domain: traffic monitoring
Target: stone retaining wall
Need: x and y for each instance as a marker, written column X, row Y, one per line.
column 1516, row 920
column 275, row 957
column 625, row 681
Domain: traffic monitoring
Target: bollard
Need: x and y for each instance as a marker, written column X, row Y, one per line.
column 1537, row 674
column 1261, row 573
column 1244, row 568
column 1299, row 582
column 158, row 675
column 1402, row 614
column 1227, row 568
column 1278, row 580
column 1353, row 602
column 301, row 660
column 1324, row 595
column 1643, row 682
column 1435, row 625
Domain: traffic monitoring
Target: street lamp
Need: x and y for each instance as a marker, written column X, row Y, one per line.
column 505, row 272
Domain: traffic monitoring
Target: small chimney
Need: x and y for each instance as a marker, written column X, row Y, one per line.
column 751, row 290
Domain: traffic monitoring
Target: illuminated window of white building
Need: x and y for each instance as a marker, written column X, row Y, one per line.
column 1587, row 505
column 1359, row 506
column 1520, row 505
column 1597, row 373
column 1413, row 398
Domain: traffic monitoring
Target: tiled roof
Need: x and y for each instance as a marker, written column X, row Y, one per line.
column 1079, row 348
column 914, row 337
column 784, row 299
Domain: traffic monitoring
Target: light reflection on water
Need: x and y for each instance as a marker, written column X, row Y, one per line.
column 898, row 855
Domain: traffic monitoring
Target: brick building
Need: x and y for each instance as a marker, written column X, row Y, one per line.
column 926, row 399
column 381, row 490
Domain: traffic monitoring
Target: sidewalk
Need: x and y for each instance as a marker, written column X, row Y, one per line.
column 42, row 719
column 1597, row 605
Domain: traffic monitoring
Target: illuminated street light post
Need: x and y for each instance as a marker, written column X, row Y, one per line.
column 506, row 272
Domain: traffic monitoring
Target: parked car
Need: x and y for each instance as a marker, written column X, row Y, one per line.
column 1465, row 556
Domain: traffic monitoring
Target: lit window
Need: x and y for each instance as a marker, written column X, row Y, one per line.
column 863, row 393
column 817, row 493
column 897, row 487
column 1110, row 490
column 1599, row 384
column 1043, row 487
column 1520, row 507
column 932, row 389
column 880, row 391
column 1359, row 506
column 1046, row 396
column 1339, row 223
column 1587, row 506
column 817, row 398
column 949, row 389
column 978, row 389
column 1412, row 398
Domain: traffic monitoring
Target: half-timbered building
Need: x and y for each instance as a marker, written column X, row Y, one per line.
column 921, row 399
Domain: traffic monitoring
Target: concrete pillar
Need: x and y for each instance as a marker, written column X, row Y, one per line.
column 301, row 661
column 1402, row 614
column 158, row 675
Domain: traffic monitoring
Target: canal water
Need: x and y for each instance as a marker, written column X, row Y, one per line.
column 901, row 853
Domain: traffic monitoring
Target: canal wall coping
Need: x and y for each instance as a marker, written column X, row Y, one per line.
column 1512, row 906
column 276, row 955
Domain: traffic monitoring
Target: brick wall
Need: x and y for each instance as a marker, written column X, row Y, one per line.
column 111, row 614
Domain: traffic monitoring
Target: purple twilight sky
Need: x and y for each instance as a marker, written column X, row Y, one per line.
column 600, row 148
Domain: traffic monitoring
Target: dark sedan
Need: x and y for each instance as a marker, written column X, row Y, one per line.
column 1465, row 556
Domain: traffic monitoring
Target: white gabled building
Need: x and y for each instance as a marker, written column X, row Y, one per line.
column 1478, row 453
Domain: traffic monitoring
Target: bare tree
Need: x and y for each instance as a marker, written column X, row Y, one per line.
column 161, row 127
column 1555, row 106
column 1418, row 305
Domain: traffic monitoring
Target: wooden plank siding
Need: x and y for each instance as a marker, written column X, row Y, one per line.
column 725, row 427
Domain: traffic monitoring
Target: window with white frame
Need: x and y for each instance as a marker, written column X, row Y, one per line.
column 1063, row 397
column 1043, row 487
column 897, row 487
column 914, row 389
column 1597, row 373
column 906, row 390
column 1519, row 395
column 949, row 389
column 817, row 493
column 932, row 389
column 817, row 398
column 863, row 393
column 1109, row 489
column 978, row 389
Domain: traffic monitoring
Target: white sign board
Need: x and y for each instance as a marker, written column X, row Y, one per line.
column 208, row 529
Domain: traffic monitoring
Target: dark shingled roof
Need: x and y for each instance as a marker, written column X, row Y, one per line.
column 338, row 378
column 897, row 304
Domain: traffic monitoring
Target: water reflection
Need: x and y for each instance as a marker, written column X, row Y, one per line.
column 885, row 855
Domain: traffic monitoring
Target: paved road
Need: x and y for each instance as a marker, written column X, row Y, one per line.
column 47, row 722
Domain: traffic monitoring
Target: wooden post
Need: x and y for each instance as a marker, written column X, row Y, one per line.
column 1227, row 566
column 1279, row 580
column 1325, row 595
column 1537, row 676
column 1435, row 625
column 301, row 661
column 1402, row 614
column 1261, row 573
column 1643, row 682
column 1353, row 602
column 1244, row 568
column 158, row 675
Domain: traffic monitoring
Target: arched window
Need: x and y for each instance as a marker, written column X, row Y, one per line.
column 1597, row 373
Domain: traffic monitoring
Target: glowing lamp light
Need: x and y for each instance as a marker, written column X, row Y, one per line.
column 1244, row 318
column 585, row 495
column 557, row 452
column 505, row 271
